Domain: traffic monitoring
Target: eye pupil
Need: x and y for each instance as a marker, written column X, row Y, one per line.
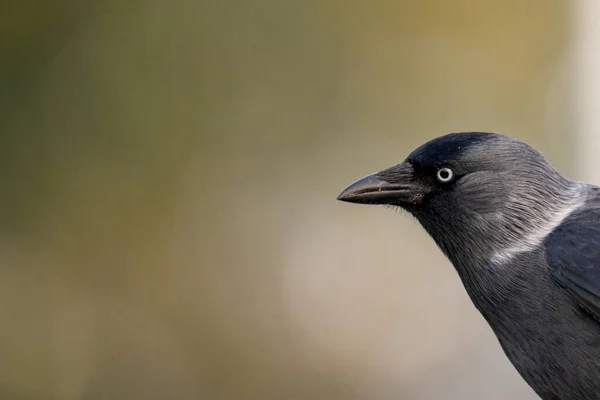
column 445, row 175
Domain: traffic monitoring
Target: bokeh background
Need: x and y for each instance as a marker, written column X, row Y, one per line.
column 169, row 173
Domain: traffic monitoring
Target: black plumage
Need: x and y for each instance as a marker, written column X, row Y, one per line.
column 525, row 242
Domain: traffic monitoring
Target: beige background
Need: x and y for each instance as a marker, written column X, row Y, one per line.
column 169, row 223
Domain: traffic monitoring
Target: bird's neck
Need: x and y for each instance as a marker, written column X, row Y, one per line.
column 495, row 255
column 470, row 239
column 511, row 295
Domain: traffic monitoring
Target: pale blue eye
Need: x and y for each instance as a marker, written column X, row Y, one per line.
column 445, row 175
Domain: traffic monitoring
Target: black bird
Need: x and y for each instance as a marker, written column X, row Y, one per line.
column 525, row 242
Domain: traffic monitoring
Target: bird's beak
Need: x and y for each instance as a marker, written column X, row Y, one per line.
column 393, row 186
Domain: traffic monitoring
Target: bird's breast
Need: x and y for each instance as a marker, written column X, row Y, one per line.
column 551, row 341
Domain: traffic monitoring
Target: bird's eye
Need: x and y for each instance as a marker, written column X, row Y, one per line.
column 445, row 175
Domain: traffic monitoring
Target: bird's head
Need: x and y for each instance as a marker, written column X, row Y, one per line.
column 477, row 194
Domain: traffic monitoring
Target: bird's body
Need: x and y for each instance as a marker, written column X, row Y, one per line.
column 525, row 242
column 551, row 340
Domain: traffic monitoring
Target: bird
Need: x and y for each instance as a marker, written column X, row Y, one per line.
column 523, row 239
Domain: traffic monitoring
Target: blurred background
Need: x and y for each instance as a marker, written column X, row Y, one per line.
column 169, row 173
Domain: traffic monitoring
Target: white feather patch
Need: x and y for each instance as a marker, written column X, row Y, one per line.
column 535, row 236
